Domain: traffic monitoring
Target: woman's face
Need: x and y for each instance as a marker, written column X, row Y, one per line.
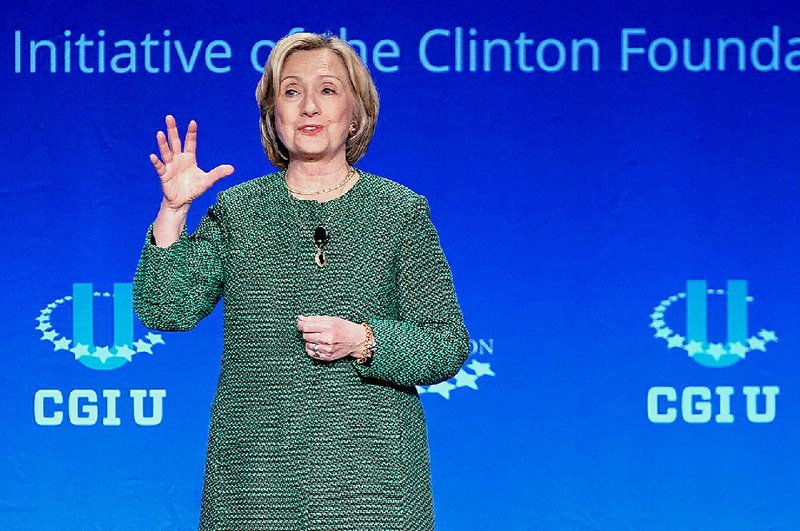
column 315, row 105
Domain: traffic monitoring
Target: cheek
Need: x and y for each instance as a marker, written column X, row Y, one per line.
column 280, row 119
column 282, row 123
column 345, row 112
column 349, row 113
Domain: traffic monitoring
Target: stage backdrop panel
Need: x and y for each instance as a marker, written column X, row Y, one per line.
column 615, row 187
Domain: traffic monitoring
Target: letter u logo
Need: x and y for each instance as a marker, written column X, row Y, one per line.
column 696, row 343
column 82, row 343
column 716, row 354
column 83, row 324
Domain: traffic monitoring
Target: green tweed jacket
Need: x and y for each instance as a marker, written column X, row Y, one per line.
column 296, row 443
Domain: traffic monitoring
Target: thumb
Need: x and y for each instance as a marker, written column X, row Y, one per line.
column 219, row 172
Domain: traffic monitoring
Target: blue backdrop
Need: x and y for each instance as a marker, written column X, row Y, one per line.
column 615, row 187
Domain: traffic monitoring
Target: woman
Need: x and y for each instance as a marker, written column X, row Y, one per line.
column 338, row 301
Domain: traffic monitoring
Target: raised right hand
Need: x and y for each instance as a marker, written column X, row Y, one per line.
column 181, row 180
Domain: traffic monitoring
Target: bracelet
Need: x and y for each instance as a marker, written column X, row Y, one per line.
column 369, row 346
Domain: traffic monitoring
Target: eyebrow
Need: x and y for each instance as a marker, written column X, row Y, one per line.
column 323, row 75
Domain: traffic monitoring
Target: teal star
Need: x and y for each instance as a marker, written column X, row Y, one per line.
column 62, row 344
column 693, row 347
column 480, row 369
column 675, row 341
column 143, row 346
column 663, row 332
column 442, row 388
column 657, row 323
column 717, row 350
column 43, row 326
column 738, row 349
column 80, row 350
column 154, row 339
column 125, row 351
column 756, row 344
column 43, row 318
column 767, row 335
column 102, row 353
column 49, row 336
column 465, row 379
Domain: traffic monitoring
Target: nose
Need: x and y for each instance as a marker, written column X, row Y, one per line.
column 310, row 107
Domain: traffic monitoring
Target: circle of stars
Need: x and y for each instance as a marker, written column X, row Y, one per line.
column 462, row 379
column 103, row 353
column 715, row 350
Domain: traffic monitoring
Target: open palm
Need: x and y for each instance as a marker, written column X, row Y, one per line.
column 182, row 181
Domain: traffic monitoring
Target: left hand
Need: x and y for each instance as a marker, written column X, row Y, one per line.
column 334, row 337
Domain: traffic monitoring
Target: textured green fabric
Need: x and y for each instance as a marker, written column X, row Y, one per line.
column 296, row 443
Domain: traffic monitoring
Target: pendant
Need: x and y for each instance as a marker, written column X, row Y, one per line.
column 320, row 240
column 320, row 236
column 319, row 258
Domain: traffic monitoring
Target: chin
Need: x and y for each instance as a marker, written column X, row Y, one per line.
column 309, row 152
column 310, row 155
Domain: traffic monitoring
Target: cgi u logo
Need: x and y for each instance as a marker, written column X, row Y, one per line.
column 701, row 404
column 696, row 343
column 82, row 344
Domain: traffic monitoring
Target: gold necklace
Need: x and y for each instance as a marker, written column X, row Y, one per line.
column 320, row 236
column 347, row 178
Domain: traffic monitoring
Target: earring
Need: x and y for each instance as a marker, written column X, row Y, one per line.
column 353, row 127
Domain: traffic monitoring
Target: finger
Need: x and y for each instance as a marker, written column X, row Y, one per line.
column 160, row 168
column 172, row 134
column 311, row 326
column 310, row 351
column 317, row 337
column 320, row 353
column 163, row 148
column 324, row 351
column 190, row 144
column 314, row 318
column 218, row 173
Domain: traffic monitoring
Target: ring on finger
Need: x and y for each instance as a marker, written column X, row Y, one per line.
column 315, row 348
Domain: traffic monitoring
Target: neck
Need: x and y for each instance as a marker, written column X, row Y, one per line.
column 317, row 175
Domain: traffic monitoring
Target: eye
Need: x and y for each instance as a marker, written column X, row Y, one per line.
column 328, row 90
column 290, row 92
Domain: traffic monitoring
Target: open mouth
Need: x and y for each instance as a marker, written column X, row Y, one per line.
column 310, row 129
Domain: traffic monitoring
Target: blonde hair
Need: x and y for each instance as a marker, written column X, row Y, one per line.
column 361, row 84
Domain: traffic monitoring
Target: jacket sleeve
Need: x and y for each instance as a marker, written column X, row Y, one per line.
column 428, row 343
column 174, row 288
